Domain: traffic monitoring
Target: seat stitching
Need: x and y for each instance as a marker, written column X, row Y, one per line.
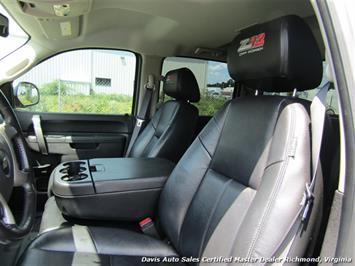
column 204, row 147
column 273, row 163
column 208, row 167
column 212, row 213
column 172, row 117
column 215, row 121
column 92, row 238
column 155, row 133
column 168, row 127
column 274, row 192
column 236, row 234
column 201, row 141
column 218, row 128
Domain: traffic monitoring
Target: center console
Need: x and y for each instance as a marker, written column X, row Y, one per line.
column 110, row 189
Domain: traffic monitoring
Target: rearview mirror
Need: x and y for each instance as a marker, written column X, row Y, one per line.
column 26, row 94
column 4, row 26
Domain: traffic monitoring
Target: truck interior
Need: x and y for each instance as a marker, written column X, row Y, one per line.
column 167, row 132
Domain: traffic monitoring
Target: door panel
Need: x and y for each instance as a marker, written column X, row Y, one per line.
column 79, row 136
column 74, row 147
column 83, row 98
column 74, row 136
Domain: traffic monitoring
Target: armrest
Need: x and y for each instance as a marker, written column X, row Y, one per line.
column 110, row 189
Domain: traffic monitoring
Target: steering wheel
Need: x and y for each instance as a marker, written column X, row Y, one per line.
column 15, row 171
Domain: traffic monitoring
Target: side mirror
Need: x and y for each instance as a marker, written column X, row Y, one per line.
column 4, row 26
column 26, row 94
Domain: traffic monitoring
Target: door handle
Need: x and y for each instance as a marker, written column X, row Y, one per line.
column 36, row 120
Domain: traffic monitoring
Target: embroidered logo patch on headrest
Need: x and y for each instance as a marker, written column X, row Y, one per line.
column 252, row 44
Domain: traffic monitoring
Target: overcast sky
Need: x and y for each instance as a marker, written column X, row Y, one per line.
column 217, row 72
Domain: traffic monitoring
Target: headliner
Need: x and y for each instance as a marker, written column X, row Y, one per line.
column 152, row 27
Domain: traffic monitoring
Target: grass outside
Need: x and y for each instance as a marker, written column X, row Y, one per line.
column 70, row 101
column 100, row 104
column 107, row 104
column 208, row 106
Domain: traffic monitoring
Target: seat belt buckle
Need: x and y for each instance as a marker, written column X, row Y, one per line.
column 308, row 201
column 148, row 228
column 139, row 122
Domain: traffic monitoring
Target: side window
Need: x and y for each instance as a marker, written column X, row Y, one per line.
column 216, row 86
column 332, row 97
column 84, row 81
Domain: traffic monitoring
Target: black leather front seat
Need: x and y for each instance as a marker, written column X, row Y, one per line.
column 171, row 130
column 238, row 188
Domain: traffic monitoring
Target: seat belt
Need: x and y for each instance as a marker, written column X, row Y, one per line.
column 318, row 111
column 143, row 112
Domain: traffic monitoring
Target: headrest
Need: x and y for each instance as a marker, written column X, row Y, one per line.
column 276, row 56
column 181, row 84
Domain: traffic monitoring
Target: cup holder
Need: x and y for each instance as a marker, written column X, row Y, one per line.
column 73, row 171
column 74, row 177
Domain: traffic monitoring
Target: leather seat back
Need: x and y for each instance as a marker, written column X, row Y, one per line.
column 171, row 129
column 238, row 188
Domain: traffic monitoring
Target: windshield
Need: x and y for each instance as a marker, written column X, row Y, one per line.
column 17, row 37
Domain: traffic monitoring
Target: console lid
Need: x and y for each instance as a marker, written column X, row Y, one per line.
column 125, row 174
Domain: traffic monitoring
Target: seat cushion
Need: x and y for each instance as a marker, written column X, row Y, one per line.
column 84, row 245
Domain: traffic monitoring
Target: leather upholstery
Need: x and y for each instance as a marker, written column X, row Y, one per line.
column 181, row 84
column 115, row 241
column 235, row 192
column 251, row 173
column 112, row 244
column 171, row 130
column 280, row 55
column 169, row 133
